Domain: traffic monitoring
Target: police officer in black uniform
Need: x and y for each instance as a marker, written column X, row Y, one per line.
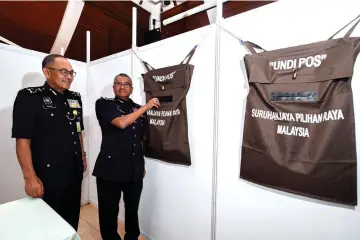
column 47, row 125
column 120, row 164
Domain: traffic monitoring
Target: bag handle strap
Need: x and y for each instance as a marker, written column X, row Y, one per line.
column 251, row 46
column 350, row 30
column 147, row 66
column 189, row 56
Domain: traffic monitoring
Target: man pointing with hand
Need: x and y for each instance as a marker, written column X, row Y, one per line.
column 120, row 165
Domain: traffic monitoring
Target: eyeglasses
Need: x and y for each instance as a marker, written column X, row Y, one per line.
column 119, row 84
column 64, row 72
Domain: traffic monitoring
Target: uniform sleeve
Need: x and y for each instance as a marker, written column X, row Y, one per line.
column 146, row 128
column 24, row 112
column 106, row 111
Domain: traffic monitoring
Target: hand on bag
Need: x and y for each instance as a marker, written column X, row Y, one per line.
column 154, row 102
column 34, row 187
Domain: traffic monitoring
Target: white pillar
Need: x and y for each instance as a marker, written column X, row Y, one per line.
column 8, row 41
column 68, row 25
column 88, row 47
column 134, row 27
column 134, row 42
column 211, row 12
column 219, row 18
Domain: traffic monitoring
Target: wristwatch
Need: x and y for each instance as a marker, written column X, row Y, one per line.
column 84, row 154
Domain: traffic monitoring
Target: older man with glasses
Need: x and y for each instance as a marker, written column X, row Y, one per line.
column 120, row 164
column 48, row 125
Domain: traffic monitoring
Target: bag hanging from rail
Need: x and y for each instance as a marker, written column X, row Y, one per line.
column 299, row 130
column 167, row 133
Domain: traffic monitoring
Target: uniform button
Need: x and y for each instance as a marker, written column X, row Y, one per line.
column 133, row 127
column 75, row 153
column 70, row 123
column 133, row 153
column 109, row 156
column 52, row 114
column 135, row 135
column 68, row 113
column 72, row 133
column 48, row 165
column 74, row 142
column 134, row 144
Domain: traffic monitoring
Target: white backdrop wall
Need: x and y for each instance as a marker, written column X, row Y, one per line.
column 176, row 201
column 248, row 211
column 21, row 68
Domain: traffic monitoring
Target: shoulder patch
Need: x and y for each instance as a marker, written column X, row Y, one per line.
column 107, row 99
column 34, row 90
column 77, row 94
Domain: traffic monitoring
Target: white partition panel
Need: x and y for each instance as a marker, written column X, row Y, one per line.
column 100, row 82
column 80, row 85
column 176, row 200
column 248, row 211
column 21, row 68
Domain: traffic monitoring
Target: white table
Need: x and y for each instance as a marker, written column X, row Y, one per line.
column 31, row 218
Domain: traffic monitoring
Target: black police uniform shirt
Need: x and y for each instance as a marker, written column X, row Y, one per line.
column 121, row 156
column 52, row 121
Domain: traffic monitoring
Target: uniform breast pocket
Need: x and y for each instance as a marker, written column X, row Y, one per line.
column 51, row 118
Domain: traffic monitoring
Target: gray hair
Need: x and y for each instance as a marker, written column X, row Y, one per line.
column 50, row 59
column 122, row 75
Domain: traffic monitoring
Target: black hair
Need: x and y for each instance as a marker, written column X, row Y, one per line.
column 49, row 59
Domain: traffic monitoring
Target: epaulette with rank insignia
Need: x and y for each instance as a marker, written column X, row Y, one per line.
column 35, row 90
column 108, row 99
column 77, row 94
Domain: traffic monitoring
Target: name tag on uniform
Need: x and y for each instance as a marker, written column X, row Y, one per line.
column 49, row 106
column 119, row 109
column 73, row 103
column 78, row 127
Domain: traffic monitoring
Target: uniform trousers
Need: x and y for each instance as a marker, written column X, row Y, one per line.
column 109, row 194
column 66, row 200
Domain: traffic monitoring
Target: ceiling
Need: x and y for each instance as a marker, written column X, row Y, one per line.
column 35, row 25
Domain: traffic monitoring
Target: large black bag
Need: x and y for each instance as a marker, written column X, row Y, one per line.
column 299, row 132
column 167, row 134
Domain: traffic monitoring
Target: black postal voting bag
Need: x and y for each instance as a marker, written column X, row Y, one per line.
column 167, row 127
column 299, row 130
